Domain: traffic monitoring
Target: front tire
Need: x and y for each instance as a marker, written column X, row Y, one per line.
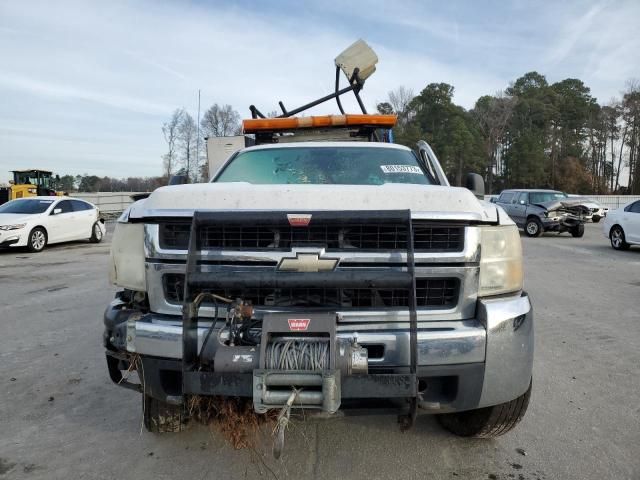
column 596, row 219
column 487, row 422
column 617, row 238
column 162, row 417
column 578, row 231
column 96, row 233
column 533, row 227
column 37, row 240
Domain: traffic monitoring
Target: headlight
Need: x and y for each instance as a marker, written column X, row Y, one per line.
column 17, row 226
column 500, row 261
column 127, row 257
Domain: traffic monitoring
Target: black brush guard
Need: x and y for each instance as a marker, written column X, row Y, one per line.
column 370, row 386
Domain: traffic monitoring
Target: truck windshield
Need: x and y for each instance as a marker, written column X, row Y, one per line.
column 543, row 197
column 30, row 206
column 325, row 165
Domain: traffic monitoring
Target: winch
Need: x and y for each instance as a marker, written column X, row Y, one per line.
column 303, row 353
column 287, row 353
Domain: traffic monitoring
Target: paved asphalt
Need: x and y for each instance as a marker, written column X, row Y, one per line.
column 61, row 418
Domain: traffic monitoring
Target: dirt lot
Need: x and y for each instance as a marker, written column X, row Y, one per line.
column 61, row 418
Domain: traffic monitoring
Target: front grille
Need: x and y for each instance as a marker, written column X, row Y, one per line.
column 175, row 236
column 427, row 237
column 430, row 292
column 437, row 238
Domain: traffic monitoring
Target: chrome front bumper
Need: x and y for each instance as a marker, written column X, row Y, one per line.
column 500, row 338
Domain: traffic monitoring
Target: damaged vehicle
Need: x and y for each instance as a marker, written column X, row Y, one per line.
column 596, row 211
column 539, row 211
column 323, row 269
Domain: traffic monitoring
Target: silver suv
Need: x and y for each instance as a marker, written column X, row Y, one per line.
column 538, row 211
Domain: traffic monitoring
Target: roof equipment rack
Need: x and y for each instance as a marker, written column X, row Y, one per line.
column 358, row 62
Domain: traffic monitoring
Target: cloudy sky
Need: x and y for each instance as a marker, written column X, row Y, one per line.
column 85, row 86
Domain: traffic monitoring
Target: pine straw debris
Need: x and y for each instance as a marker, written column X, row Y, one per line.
column 233, row 417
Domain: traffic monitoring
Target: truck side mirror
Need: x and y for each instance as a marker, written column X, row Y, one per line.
column 475, row 183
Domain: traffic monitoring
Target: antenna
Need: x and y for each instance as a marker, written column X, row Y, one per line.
column 198, row 135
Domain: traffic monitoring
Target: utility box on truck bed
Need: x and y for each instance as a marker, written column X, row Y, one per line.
column 219, row 149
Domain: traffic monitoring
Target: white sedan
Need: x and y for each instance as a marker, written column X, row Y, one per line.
column 622, row 226
column 35, row 222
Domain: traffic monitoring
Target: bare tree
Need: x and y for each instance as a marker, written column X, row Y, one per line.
column 400, row 100
column 220, row 121
column 623, row 131
column 170, row 132
column 631, row 115
column 492, row 114
column 187, row 140
column 612, row 116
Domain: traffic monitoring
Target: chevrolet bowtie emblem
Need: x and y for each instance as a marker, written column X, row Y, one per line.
column 307, row 262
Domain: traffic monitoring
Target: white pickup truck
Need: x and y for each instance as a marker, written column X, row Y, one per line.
column 348, row 274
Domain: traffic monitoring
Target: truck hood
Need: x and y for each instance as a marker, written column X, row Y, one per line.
column 569, row 205
column 425, row 201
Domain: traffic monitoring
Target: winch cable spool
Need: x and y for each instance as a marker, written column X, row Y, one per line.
column 297, row 354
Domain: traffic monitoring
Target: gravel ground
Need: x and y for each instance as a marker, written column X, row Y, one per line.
column 61, row 418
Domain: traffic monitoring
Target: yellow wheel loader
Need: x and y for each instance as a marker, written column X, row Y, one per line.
column 29, row 183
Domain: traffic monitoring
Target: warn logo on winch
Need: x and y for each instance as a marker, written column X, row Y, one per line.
column 298, row 324
column 299, row 219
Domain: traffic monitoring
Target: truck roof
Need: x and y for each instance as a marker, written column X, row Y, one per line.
column 266, row 146
column 531, row 190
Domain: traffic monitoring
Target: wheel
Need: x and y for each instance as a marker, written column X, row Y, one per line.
column 578, row 230
column 533, row 228
column 37, row 239
column 618, row 241
column 162, row 417
column 487, row 422
column 96, row 233
column 596, row 219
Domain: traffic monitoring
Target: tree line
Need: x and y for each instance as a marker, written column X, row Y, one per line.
column 531, row 135
column 93, row 183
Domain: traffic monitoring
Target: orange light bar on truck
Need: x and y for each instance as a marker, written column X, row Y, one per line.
column 256, row 125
